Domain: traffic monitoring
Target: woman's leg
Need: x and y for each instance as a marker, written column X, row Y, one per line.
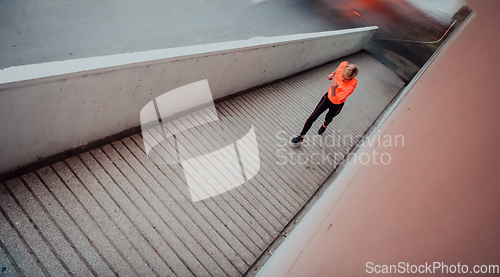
column 332, row 112
column 320, row 108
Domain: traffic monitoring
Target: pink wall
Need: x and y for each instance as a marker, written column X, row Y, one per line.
column 438, row 200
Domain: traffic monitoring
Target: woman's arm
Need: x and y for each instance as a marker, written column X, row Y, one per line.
column 331, row 75
column 333, row 87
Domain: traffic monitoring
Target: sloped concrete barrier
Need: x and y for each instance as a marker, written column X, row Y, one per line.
column 48, row 108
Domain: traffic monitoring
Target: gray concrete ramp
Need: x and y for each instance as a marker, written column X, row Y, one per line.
column 205, row 202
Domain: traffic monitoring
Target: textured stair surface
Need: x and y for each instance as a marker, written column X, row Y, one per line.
column 116, row 211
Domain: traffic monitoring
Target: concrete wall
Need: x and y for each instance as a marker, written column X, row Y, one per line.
column 438, row 199
column 52, row 107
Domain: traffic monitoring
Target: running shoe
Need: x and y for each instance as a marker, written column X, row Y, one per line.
column 297, row 139
column 321, row 130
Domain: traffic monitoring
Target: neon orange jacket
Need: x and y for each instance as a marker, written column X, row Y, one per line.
column 344, row 89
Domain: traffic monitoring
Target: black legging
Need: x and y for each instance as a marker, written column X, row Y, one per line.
column 324, row 104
